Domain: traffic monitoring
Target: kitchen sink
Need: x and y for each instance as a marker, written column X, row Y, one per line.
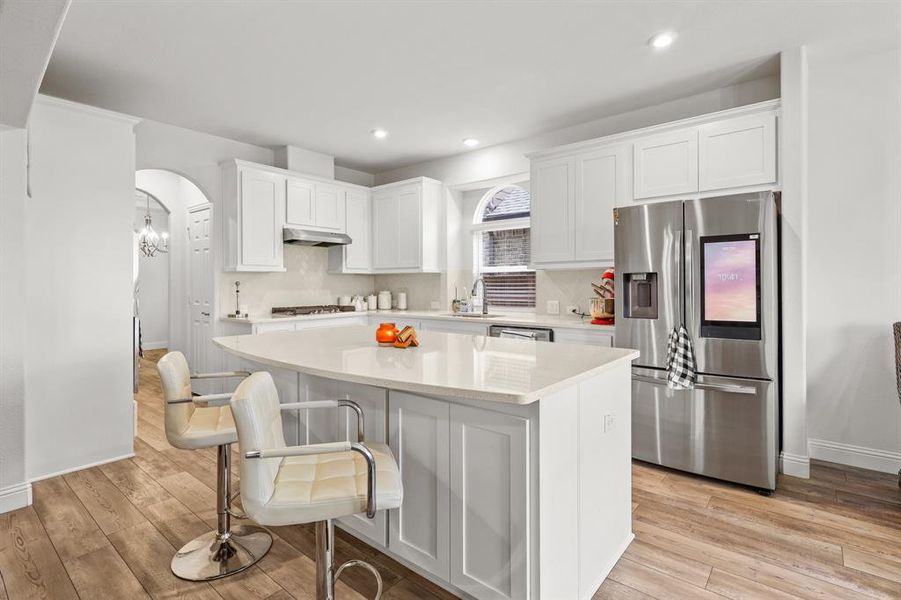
column 477, row 315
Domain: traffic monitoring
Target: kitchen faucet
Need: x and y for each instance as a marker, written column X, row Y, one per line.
column 475, row 285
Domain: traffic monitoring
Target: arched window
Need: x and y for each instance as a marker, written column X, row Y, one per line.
column 502, row 246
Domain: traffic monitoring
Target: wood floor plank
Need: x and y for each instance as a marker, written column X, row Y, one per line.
column 148, row 554
column 108, row 506
column 3, row 594
column 140, row 488
column 296, row 572
column 252, row 584
column 32, row 570
column 739, row 588
column 773, row 574
column 152, row 462
column 68, row 523
column 612, row 590
column 880, row 566
column 21, row 524
column 656, row 584
column 190, row 492
column 102, row 574
column 688, row 570
column 182, row 529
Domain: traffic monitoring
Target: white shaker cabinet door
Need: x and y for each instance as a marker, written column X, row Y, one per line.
column 300, row 206
column 601, row 185
column 358, row 254
column 409, row 227
column 330, row 207
column 553, row 189
column 489, row 503
column 262, row 205
column 419, row 530
column 666, row 164
column 385, row 230
column 737, row 152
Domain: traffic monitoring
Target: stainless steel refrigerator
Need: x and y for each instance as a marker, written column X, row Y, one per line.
column 712, row 265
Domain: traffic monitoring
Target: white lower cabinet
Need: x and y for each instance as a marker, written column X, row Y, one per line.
column 489, row 480
column 419, row 531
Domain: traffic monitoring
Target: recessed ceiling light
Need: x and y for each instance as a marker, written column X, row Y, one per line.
column 379, row 134
column 662, row 40
column 471, row 142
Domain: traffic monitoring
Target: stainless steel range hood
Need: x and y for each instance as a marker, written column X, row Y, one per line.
column 308, row 237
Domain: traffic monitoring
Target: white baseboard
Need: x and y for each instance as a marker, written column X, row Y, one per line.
column 795, row 465
column 855, row 456
column 82, row 467
column 155, row 345
column 15, row 497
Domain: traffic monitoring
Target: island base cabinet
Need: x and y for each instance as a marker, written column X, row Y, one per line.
column 419, row 531
column 489, row 480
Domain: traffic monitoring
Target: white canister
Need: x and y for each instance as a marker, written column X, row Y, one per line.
column 372, row 302
column 384, row 300
column 343, row 300
column 402, row 301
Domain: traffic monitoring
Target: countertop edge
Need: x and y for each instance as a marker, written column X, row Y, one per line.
column 433, row 390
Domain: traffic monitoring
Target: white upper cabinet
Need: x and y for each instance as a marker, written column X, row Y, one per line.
column 573, row 198
column 300, row 205
column 330, row 207
column 602, row 183
column 737, row 152
column 407, row 227
column 553, row 190
column 666, row 164
column 355, row 257
column 254, row 204
column 315, row 205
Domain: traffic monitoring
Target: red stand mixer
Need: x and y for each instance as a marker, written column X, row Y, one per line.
column 602, row 306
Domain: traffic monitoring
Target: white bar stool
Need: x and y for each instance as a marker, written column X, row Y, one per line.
column 286, row 485
column 194, row 422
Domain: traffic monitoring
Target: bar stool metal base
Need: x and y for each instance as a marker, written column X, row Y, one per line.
column 227, row 550
column 212, row 556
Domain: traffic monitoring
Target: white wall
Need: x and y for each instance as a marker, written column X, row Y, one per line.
column 78, row 292
column 508, row 159
column 153, row 284
column 854, row 270
column 14, row 489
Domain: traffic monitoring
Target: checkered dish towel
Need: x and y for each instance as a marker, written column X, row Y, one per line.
column 680, row 361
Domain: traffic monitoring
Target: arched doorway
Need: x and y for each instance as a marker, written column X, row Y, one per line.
column 191, row 294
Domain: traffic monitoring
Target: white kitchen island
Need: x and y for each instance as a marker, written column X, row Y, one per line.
column 514, row 454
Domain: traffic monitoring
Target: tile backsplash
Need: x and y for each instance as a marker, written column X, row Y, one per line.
column 568, row 287
column 305, row 281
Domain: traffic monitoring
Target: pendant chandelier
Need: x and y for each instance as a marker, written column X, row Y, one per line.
column 149, row 241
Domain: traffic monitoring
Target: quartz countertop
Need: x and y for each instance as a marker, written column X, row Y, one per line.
column 445, row 364
column 502, row 318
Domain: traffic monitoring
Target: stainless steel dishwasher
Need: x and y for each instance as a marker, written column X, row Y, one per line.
column 540, row 334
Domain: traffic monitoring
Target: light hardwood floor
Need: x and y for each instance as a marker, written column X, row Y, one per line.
column 110, row 532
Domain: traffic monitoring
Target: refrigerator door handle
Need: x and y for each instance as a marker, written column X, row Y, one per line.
column 679, row 297
column 688, row 296
column 729, row 388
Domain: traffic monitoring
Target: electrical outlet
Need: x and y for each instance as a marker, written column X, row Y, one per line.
column 553, row 307
column 435, row 305
column 572, row 309
column 609, row 422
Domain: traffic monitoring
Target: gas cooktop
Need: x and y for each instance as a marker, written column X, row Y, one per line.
column 322, row 309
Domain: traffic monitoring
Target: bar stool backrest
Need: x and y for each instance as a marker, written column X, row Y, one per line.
column 175, row 377
column 258, row 419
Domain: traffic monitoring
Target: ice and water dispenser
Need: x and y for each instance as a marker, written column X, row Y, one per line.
column 640, row 300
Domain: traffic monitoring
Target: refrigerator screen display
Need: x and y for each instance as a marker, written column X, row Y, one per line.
column 730, row 269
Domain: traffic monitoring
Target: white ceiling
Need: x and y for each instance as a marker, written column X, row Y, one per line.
column 321, row 75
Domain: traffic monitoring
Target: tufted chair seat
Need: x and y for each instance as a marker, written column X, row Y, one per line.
column 329, row 486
